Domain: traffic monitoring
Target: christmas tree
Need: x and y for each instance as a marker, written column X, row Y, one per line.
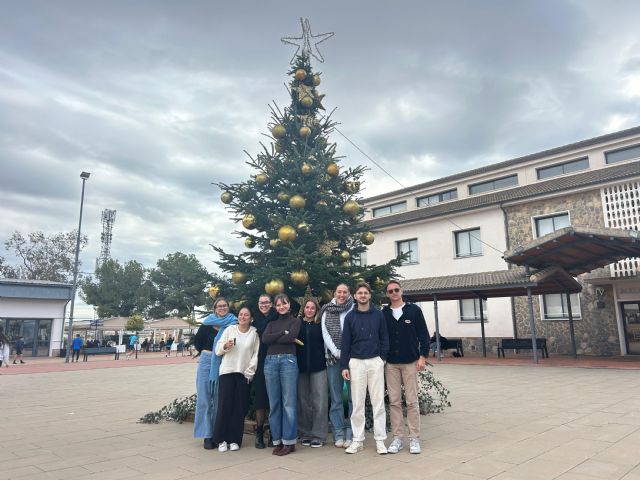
column 300, row 212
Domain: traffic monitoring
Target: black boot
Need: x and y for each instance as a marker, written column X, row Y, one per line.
column 270, row 444
column 208, row 444
column 260, row 438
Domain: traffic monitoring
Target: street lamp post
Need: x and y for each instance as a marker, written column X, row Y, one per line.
column 84, row 176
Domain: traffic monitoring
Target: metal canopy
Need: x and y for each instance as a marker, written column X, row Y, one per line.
column 500, row 283
column 577, row 249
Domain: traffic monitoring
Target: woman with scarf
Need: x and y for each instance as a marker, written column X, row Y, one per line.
column 265, row 314
column 281, row 374
column 205, row 340
column 332, row 319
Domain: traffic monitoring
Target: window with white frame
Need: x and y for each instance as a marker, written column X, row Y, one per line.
column 554, row 306
column 437, row 198
column 470, row 309
column 551, row 223
column 468, row 243
column 410, row 247
column 389, row 209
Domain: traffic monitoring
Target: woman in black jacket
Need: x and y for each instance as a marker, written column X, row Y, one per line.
column 312, row 380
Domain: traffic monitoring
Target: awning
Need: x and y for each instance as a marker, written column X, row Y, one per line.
column 577, row 249
column 170, row 323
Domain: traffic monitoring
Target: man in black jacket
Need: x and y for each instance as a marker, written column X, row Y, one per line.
column 408, row 353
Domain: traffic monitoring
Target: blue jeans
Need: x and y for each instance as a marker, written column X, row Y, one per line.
column 281, row 375
column 341, row 429
column 207, row 399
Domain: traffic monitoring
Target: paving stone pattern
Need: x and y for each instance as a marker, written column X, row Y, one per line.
column 508, row 422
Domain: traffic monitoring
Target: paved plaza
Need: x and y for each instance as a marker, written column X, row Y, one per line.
column 507, row 422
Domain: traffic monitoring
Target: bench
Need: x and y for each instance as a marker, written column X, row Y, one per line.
column 522, row 344
column 450, row 344
column 100, row 351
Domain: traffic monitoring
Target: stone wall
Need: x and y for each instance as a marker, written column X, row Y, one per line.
column 596, row 331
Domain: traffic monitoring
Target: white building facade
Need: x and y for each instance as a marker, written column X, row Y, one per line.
column 463, row 223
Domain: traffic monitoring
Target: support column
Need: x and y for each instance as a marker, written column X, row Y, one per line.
column 484, row 343
column 435, row 316
column 532, row 323
column 572, row 333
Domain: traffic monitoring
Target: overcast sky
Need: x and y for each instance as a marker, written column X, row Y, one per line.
column 157, row 99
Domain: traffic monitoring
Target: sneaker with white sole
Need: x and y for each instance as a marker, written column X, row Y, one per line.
column 355, row 447
column 223, row 447
column 395, row 446
column 234, row 447
column 380, row 447
column 414, row 446
column 339, row 443
column 347, row 443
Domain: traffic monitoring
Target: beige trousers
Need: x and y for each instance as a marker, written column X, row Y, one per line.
column 367, row 373
column 407, row 374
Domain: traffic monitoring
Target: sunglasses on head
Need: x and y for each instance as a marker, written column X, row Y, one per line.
column 393, row 290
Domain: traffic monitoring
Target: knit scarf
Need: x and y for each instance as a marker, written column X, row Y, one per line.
column 222, row 323
column 332, row 321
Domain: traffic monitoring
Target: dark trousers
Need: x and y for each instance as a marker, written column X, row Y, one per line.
column 233, row 402
column 75, row 353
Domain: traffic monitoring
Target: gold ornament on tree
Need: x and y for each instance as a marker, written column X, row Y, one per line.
column 300, row 74
column 315, row 80
column 274, row 287
column 351, row 208
column 345, row 255
column 214, row 290
column 306, row 169
column 321, row 205
column 278, row 131
column 297, row 201
column 238, row 278
column 283, row 196
column 278, row 147
column 333, row 169
column 305, row 132
column 300, row 277
column 274, row 242
column 249, row 242
column 226, row 197
column 303, row 227
column 306, row 102
column 261, row 179
column 249, row 221
column 287, row 233
column 367, row 238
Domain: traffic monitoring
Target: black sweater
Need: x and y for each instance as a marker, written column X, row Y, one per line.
column 364, row 336
column 311, row 356
column 203, row 339
column 278, row 342
column 408, row 336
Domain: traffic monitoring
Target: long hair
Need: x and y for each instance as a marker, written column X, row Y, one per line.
column 316, row 316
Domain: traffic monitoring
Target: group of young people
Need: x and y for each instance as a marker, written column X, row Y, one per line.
column 298, row 366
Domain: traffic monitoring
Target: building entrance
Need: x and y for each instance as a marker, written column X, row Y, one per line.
column 35, row 333
column 631, row 319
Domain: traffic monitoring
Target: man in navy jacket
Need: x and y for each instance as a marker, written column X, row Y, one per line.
column 408, row 353
column 365, row 344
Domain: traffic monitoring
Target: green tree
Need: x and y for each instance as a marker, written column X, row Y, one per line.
column 135, row 323
column 301, row 211
column 118, row 290
column 41, row 256
column 179, row 280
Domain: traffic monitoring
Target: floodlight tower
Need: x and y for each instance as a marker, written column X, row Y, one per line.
column 108, row 219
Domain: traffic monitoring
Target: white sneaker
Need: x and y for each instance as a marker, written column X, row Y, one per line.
column 223, row 447
column 234, row 447
column 414, row 446
column 339, row 443
column 347, row 443
column 355, row 447
column 395, row 446
column 380, row 448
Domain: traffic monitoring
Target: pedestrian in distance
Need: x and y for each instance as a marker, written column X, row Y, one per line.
column 238, row 346
column 76, row 346
column 281, row 375
column 19, row 346
column 5, row 349
column 365, row 344
column 408, row 354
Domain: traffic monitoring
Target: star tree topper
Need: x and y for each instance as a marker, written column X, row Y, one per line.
column 304, row 42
